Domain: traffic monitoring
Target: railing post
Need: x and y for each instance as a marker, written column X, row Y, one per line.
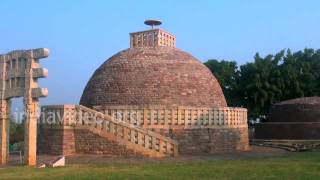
column 147, row 141
column 111, row 127
column 154, row 143
column 179, row 116
column 125, row 133
column 145, row 117
column 165, row 117
column 152, row 118
column 161, row 146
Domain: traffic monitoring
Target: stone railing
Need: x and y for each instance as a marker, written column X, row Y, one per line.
column 134, row 137
column 186, row 117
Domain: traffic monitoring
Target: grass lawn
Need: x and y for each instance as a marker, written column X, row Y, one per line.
column 304, row 165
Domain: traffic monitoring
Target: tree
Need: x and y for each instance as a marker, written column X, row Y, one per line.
column 267, row 80
column 16, row 132
column 300, row 72
column 260, row 84
column 226, row 73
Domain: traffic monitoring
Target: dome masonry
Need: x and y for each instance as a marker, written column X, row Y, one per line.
column 153, row 72
column 294, row 119
column 306, row 109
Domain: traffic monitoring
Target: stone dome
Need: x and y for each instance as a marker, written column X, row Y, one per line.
column 305, row 109
column 295, row 119
column 151, row 76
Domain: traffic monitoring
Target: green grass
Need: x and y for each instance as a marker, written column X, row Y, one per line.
column 293, row 166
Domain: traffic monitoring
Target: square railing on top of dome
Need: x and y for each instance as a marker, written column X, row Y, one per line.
column 151, row 38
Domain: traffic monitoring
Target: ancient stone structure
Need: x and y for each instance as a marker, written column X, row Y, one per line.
column 154, row 87
column 153, row 74
column 296, row 119
column 19, row 71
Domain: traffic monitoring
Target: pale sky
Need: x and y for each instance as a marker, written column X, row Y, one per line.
column 81, row 34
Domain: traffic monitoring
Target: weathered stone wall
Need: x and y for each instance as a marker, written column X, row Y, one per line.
column 50, row 141
column 209, row 140
column 56, row 141
column 68, row 140
column 89, row 143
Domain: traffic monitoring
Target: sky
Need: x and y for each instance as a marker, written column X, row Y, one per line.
column 82, row 34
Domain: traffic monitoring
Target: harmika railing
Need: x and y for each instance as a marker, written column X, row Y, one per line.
column 82, row 117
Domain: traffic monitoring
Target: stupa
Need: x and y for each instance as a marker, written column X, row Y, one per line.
column 155, row 96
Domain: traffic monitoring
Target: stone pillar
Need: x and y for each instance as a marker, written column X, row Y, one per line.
column 30, row 107
column 4, row 114
column 30, row 135
column 4, row 131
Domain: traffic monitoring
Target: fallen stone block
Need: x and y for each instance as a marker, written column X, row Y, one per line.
column 59, row 162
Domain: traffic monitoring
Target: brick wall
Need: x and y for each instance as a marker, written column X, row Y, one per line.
column 209, row 140
column 191, row 141
column 56, row 141
column 90, row 143
column 68, row 140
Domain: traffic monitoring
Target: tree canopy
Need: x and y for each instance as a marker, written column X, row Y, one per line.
column 267, row 80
